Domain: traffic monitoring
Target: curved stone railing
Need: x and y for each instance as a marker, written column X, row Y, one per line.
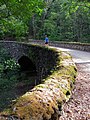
column 71, row 45
column 44, row 101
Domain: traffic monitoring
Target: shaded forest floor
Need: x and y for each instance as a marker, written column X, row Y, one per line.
column 78, row 107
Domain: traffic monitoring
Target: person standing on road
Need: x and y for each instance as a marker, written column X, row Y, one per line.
column 46, row 40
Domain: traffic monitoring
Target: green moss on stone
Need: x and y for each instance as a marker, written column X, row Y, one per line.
column 47, row 98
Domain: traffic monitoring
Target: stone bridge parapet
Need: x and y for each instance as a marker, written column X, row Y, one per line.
column 43, row 58
column 71, row 45
column 44, row 101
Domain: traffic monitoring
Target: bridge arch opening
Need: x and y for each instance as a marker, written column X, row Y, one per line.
column 26, row 64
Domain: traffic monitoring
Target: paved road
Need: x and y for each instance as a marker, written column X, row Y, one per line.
column 79, row 57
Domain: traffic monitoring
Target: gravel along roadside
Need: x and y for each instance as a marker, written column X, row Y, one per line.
column 78, row 107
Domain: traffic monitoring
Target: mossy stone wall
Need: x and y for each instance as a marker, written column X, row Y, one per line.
column 45, row 101
column 44, row 59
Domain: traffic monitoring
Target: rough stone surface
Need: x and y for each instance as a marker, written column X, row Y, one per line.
column 78, row 46
column 43, row 58
column 44, row 102
column 78, row 107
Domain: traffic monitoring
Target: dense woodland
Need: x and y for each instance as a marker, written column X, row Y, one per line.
column 61, row 20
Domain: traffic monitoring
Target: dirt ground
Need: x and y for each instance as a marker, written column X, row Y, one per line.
column 78, row 107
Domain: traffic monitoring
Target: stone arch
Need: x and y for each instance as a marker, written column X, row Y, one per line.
column 26, row 64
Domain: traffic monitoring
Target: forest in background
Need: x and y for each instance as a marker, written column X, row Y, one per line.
column 61, row 20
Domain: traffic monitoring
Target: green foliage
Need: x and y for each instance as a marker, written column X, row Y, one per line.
column 11, row 65
column 13, row 28
column 68, row 20
column 6, row 62
column 15, row 15
column 20, row 8
column 8, row 65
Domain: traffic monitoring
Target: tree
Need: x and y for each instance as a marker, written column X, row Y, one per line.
column 70, row 20
column 19, row 10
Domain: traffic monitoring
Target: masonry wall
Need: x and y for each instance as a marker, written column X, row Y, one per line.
column 71, row 45
column 44, row 59
column 44, row 101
